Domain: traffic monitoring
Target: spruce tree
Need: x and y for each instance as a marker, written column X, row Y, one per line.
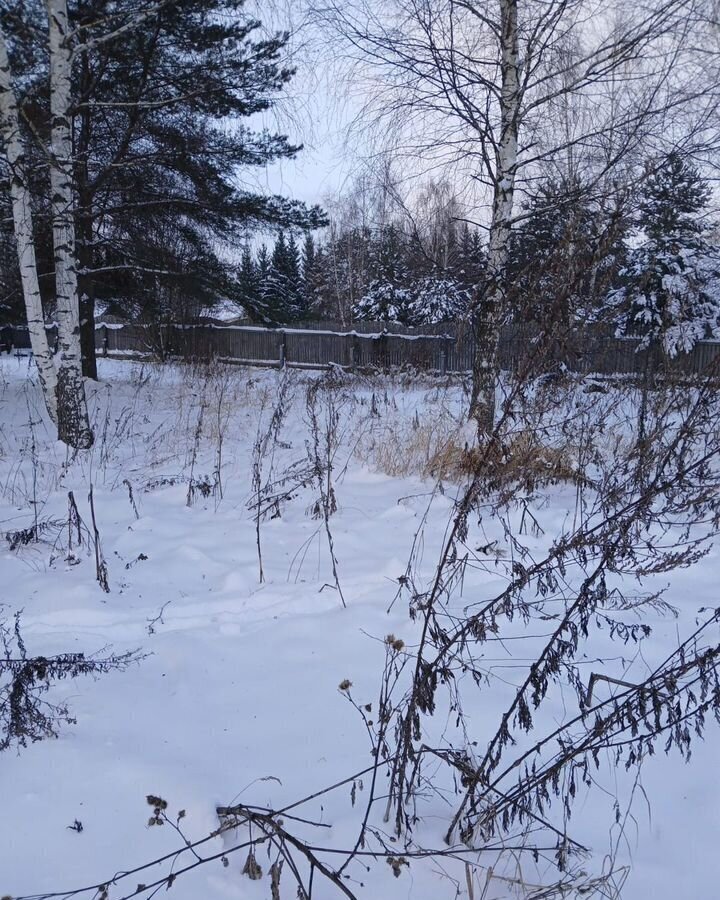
column 468, row 263
column 309, row 276
column 282, row 288
column 387, row 297
column 263, row 263
column 564, row 252
column 671, row 285
column 437, row 298
column 249, row 287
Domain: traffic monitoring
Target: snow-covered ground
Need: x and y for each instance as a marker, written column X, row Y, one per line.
column 237, row 697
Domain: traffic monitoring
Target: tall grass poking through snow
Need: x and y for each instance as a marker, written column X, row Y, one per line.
column 552, row 434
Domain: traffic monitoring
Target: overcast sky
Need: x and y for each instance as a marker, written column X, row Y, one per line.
column 314, row 112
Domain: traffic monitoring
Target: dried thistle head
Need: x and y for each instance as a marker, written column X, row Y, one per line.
column 345, row 685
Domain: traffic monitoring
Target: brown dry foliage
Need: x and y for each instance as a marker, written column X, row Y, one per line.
column 441, row 449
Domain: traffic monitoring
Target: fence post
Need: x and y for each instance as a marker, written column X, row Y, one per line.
column 283, row 348
column 443, row 358
column 355, row 350
column 105, row 341
column 383, row 344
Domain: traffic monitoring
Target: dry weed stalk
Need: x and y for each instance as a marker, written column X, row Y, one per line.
column 323, row 409
column 655, row 502
column 265, row 496
column 79, row 533
column 25, row 715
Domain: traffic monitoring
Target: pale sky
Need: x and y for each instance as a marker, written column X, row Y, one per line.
column 315, row 112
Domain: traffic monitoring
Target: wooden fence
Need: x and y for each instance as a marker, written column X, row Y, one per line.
column 442, row 349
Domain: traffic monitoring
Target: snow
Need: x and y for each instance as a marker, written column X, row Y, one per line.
column 237, row 697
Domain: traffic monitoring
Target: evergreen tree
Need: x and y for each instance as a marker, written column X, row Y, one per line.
column 160, row 124
column 309, row 276
column 563, row 253
column 438, row 292
column 469, row 259
column 327, row 301
column 388, row 297
column 292, row 268
column 263, row 263
column 249, row 287
column 438, row 298
column 671, row 284
column 281, row 285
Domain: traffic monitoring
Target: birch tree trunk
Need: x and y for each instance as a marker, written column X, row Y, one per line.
column 490, row 298
column 84, row 235
column 73, row 422
column 23, row 226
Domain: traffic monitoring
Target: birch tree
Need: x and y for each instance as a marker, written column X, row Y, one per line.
column 483, row 88
column 73, row 422
column 23, row 225
column 62, row 383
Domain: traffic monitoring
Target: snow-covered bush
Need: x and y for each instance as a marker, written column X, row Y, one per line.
column 673, row 297
column 431, row 300
column 438, row 299
column 384, row 302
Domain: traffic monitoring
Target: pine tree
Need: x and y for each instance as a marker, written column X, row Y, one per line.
column 671, row 284
column 160, row 124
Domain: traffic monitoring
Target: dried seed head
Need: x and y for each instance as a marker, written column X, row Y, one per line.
column 345, row 685
column 252, row 868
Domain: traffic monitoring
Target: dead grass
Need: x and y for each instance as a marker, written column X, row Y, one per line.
column 429, row 446
column 442, row 448
column 526, row 461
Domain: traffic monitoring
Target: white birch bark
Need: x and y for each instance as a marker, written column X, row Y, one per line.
column 24, row 237
column 73, row 423
column 488, row 314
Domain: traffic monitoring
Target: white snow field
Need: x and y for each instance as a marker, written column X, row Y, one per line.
column 237, row 697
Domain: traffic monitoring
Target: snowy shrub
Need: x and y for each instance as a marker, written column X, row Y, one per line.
column 437, row 299
column 431, row 300
column 384, row 302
